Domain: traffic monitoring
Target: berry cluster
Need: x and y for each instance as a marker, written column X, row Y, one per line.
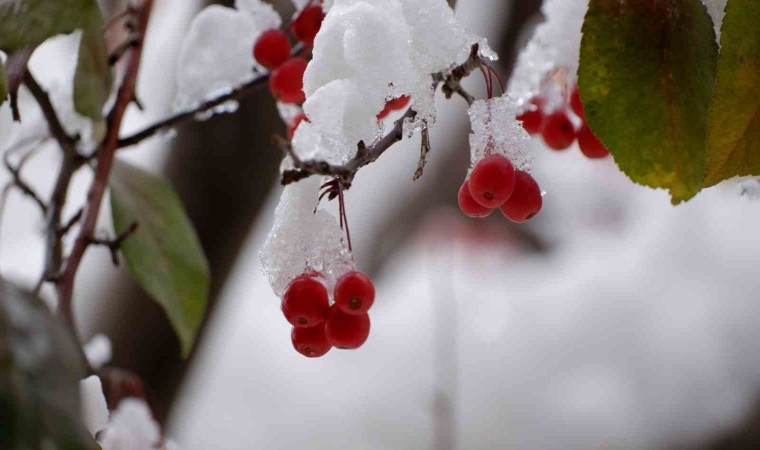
column 318, row 326
column 558, row 129
column 395, row 104
column 494, row 183
column 273, row 51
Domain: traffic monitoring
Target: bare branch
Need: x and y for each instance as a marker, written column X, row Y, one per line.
column 67, row 143
column 424, row 150
column 105, row 158
column 114, row 245
column 15, row 68
column 19, row 183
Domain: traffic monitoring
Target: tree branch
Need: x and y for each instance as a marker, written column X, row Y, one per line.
column 114, row 245
column 18, row 182
column 67, row 143
column 105, row 158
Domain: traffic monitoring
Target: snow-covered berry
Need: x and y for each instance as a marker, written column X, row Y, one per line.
column 306, row 26
column 286, row 82
column 492, row 181
column 271, row 49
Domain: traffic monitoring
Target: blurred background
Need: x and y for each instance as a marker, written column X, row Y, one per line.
column 611, row 321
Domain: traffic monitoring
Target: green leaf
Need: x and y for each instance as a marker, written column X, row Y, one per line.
column 3, row 84
column 733, row 133
column 164, row 254
column 29, row 22
column 40, row 369
column 92, row 80
column 646, row 77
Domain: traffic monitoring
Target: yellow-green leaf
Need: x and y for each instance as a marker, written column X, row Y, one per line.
column 164, row 255
column 92, row 80
column 646, row 77
column 733, row 134
column 29, row 22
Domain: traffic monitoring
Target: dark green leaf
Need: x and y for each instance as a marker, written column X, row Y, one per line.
column 646, row 77
column 733, row 134
column 164, row 254
column 92, row 81
column 29, row 22
column 40, row 369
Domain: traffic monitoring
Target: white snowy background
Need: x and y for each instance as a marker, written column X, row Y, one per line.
column 636, row 330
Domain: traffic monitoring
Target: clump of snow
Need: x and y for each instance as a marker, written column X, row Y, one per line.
column 94, row 407
column 303, row 240
column 717, row 10
column 496, row 131
column 553, row 53
column 354, row 72
column 216, row 55
column 98, row 351
column 750, row 188
column 131, row 427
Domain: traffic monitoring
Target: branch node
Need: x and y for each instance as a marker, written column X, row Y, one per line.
column 114, row 245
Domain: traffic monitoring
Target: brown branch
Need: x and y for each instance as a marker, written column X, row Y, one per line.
column 67, row 143
column 424, row 150
column 15, row 68
column 114, row 245
column 105, row 158
column 366, row 155
column 22, row 185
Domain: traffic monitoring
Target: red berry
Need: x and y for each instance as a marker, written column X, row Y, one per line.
column 533, row 117
column 394, row 105
column 310, row 342
column 468, row 205
column 558, row 131
column 286, row 82
column 590, row 145
column 345, row 330
column 576, row 103
column 294, row 124
column 525, row 202
column 354, row 293
column 271, row 49
column 306, row 26
column 305, row 303
column 492, row 181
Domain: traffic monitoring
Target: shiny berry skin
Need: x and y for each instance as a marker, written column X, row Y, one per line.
column 492, row 181
column 590, row 145
column 345, row 330
column 271, row 49
column 394, row 105
column 558, row 131
column 468, row 205
column 305, row 303
column 286, row 82
column 294, row 125
column 533, row 118
column 310, row 342
column 354, row 293
column 525, row 202
column 576, row 104
column 306, row 26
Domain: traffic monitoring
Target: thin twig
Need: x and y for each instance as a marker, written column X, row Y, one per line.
column 114, row 245
column 424, row 150
column 105, row 158
column 18, row 182
column 67, row 143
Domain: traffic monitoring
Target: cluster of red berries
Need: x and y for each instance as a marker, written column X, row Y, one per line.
column 273, row 50
column 494, row 183
column 318, row 326
column 395, row 104
column 558, row 130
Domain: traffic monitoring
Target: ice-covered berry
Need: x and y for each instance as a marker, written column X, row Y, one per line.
column 345, row 330
column 354, row 293
column 558, row 131
column 395, row 104
column 310, row 342
column 468, row 205
column 286, row 82
column 526, row 200
column 305, row 303
column 492, row 181
column 294, row 124
column 590, row 145
column 272, row 49
column 306, row 26
column 533, row 117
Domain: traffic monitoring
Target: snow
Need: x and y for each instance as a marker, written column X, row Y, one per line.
column 94, row 407
column 496, row 131
column 716, row 9
column 555, row 45
column 216, row 54
column 354, row 71
column 303, row 240
column 98, row 351
column 131, row 427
